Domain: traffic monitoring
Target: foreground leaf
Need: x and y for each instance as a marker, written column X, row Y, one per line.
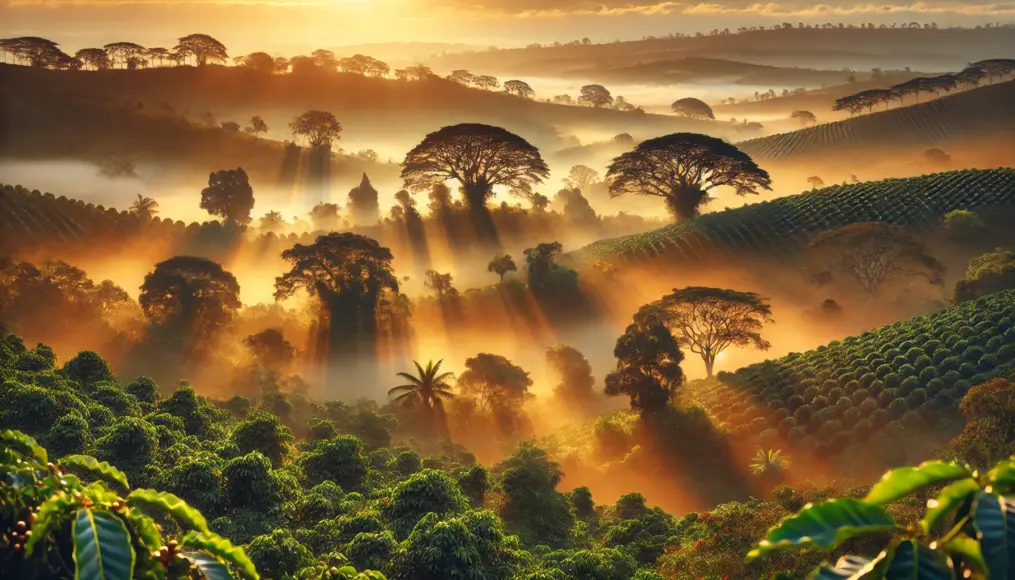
column 855, row 568
column 913, row 560
column 994, row 520
column 951, row 497
column 1002, row 477
column 901, row 482
column 168, row 503
column 102, row 548
column 211, row 568
column 825, row 525
column 223, row 548
column 24, row 444
column 48, row 518
column 100, row 469
column 967, row 550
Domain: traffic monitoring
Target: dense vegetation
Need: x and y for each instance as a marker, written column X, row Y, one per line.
column 980, row 111
column 772, row 226
column 907, row 375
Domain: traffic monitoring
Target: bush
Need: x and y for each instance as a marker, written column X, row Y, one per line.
column 986, row 363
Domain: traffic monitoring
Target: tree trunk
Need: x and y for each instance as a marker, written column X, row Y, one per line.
column 479, row 215
column 709, row 364
column 686, row 202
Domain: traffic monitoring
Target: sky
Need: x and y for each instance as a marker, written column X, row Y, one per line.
column 299, row 26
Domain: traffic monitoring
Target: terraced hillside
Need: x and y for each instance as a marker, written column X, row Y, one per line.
column 774, row 226
column 914, row 371
column 987, row 110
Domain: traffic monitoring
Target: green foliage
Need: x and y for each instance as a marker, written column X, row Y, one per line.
column 428, row 491
column 87, row 368
column 533, row 508
column 341, row 460
column 264, row 433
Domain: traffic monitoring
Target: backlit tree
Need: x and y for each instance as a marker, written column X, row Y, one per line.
column 319, row 128
column 229, row 195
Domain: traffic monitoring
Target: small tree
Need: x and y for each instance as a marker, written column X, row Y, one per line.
column 204, row 48
column 486, row 82
column 692, row 108
column 144, row 207
column 257, row 125
column 229, row 195
column 804, row 117
column 582, row 177
column 501, row 264
column 595, row 96
column 937, row 157
column 986, row 274
column 815, row 182
column 519, row 88
column 872, row 254
column 319, row 128
column 709, row 320
column 963, row 226
column 441, row 284
column 648, row 364
column 576, row 381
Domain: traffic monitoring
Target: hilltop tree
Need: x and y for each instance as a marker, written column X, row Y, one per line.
column 144, row 207
column 575, row 388
column 229, row 195
column 270, row 349
column 937, row 157
column 692, row 108
column 441, row 284
column 96, row 58
column 872, row 254
column 190, row 296
column 364, row 208
column 259, row 61
column 281, row 65
column 539, row 202
column 595, row 96
column 682, row 168
column 648, row 364
column 479, row 157
column 501, row 264
column 519, row 88
column 38, row 52
column 709, row 320
column 271, row 222
column 805, row 117
column 577, row 208
column 203, row 48
column 319, row 128
column 582, row 177
column 257, row 125
column 123, row 51
column 462, row 77
column 486, row 82
column 324, row 216
column 325, row 59
column 350, row 277
column 815, row 182
column 157, row 53
column 563, row 100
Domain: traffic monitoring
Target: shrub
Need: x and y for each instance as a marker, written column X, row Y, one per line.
column 927, row 374
column 986, row 363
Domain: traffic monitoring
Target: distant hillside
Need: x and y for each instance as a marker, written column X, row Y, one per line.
column 818, row 101
column 773, row 227
column 979, row 112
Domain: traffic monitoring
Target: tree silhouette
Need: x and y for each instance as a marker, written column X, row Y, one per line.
column 271, row 222
column 270, row 349
column 575, row 389
column 682, row 168
column 815, row 182
column 692, row 108
column 203, row 48
column 319, row 128
column 872, row 254
column 520, row 88
column 189, row 296
column 229, row 195
column 501, row 264
column 257, row 125
column 324, row 216
column 96, row 58
column 805, row 117
column 709, row 320
column 144, row 207
column 281, row 65
column 486, row 82
column 157, row 53
column 429, row 386
column 479, row 157
column 325, row 59
column 648, row 364
column 582, row 177
column 441, row 284
column 364, row 208
column 351, row 279
column 260, row 61
column 462, row 77
column 499, row 386
column 595, row 96
column 123, row 52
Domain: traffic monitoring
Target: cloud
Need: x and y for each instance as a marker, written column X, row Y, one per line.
column 792, row 8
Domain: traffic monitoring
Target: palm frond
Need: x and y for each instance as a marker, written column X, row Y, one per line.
column 403, row 388
column 410, row 378
column 405, row 397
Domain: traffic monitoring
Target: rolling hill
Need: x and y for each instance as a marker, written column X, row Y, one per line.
column 773, row 227
column 986, row 111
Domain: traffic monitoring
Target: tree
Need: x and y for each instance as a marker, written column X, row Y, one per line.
column 272, row 222
column 324, row 216
column 872, row 254
column 231, row 126
column 262, row 62
column 768, row 463
column 364, row 208
column 499, row 387
column 429, row 387
column 708, row 320
column 648, row 364
column 805, row 117
column 257, row 125
column 157, row 53
column 563, row 100
column 501, row 264
column 325, row 59
column 937, row 157
column 479, row 157
column 281, row 65
column 582, row 177
column 986, row 274
column 486, row 82
column 229, row 195
column 350, row 277
column 520, row 88
column 963, row 226
column 441, row 284
column 815, row 182
column 96, row 58
column 692, row 108
column 191, row 297
column 595, row 96
column 203, row 48
column 682, row 168
column 270, row 349
column 462, row 77
column 577, row 208
column 533, row 508
column 144, row 207
column 123, row 51
column 575, row 388
column 319, row 128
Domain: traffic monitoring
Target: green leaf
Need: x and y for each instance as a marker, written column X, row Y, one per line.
column 951, row 497
column 165, row 502
column 221, row 547
column 901, row 482
column 994, row 520
column 50, row 516
column 145, row 529
column 914, row 561
column 825, row 525
column 23, row 444
column 856, row 567
column 101, row 547
column 967, row 550
column 1002, row 476
column 100, row 469
column 211, row 568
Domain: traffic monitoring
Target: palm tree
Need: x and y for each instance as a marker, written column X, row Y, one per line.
column 145, row 207
column 430, row 387
column 768, row 462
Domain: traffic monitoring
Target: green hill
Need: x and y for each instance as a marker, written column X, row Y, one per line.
column 914, row 371
column 771, row 227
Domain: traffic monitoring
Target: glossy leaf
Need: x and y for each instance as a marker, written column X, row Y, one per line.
column 914, row 561
column 994, row 520
column 167, row 503
column 967, row 550
column 144, row 528
column 100, row 469
column 899, row 483
column 223, row 548
column 211, row 568
column 825, row 525
column 102, row 549
column 24, row 444
column 855, row 568
column 951, row 497
column 49, row 517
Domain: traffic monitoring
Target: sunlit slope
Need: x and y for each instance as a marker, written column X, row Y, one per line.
column 846, row 392
column 981, row 112
column 770, row 227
